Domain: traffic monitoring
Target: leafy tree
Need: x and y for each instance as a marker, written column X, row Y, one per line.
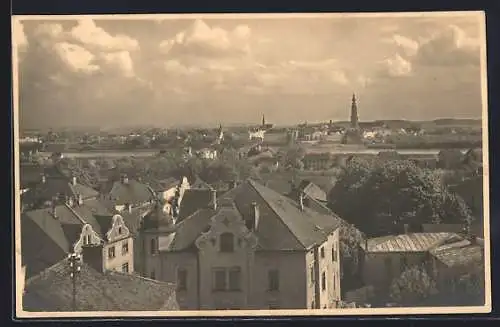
column 379, row 197
column 292, row 157
column 412, row 287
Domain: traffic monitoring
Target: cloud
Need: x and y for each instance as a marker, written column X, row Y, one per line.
column 395, row 66
column 406, row 45
column 19, row 36
column 450, row 46
column 205, row 41
column 88, row 33
column 86, row 48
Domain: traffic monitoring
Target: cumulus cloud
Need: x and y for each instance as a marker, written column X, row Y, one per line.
column 406, row 45
column 452, row 46
column 395, row 66
column 86, row 48
column 225, row 59
column 205, row 41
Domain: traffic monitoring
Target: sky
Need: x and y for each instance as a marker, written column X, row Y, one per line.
column 208, row 70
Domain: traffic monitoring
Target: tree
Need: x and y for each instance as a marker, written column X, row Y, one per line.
column 379, row 197
column 292, row 158
column 412, row 287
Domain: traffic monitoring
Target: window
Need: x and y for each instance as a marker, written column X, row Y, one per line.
column 86, row 240
column 219, row 279
column 234, row 279
column 334, row 254
column 125, row 247
column 125, row 267
column 322, row 251
column 312, row 274
column 152, row 274
column 226, row 242
column 111, row 252
column 274, row 280
column 119, row 230
column 182, row 279
column 154, row 247
column 323, row 281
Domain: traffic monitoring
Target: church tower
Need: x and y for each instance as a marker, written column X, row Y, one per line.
column 354, row 113
column 263, row 121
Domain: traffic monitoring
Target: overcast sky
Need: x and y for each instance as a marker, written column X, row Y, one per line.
column 106, row 72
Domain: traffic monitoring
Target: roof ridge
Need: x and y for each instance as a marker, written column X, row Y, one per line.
column 76, row 214
column 252, row 184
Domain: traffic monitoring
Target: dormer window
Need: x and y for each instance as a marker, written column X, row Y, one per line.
column 226, row 242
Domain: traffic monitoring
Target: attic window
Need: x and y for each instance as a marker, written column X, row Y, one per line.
column 119, row 230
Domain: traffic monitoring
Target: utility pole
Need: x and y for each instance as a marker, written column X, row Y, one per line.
column 75, row 261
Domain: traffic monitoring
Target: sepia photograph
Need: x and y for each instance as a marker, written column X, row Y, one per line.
column 220, row 165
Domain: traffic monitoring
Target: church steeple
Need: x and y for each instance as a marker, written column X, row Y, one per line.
column 263, row 120
column 354, row 112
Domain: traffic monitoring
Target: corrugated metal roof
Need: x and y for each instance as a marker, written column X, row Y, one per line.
column 416, row 242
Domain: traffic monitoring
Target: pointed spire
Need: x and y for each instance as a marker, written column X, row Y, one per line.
column 263, row 120
column 354, row 112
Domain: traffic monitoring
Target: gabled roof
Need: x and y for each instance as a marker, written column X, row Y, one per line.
column 47, row 239
column 53, row 186
column 192, row 200
column 282, row 225
column 312, row 190
column 131, row 192
column 462, row 253
column 162, row 185
column 415, row 242
column 134, row 218
column 51, row 290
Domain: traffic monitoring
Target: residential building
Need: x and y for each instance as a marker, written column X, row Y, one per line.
column 385, row 258
column 55, row 188
column 50, row 234
column 207, row 153
column 450, row 262
column 317, row 161
column 127, row 193
column 50, row 291
column 251, row 249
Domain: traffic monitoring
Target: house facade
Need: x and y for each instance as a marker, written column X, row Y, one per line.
column 251, row 249
column 49, row 235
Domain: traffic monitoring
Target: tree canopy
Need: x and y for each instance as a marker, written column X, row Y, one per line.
column 380, row 197
column 412, row 287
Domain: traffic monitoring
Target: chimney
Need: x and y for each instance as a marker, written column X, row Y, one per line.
column 73, row 180
column 53, row 210
column 69, row 201
column 79, row 199
column 301, row 201
column 124, row 179
column 256, row 215
column 128, row 207
column 406, row 228
column 44, row 179
column 92, row 255
column 214, row 199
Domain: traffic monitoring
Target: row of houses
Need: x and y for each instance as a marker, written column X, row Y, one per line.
column 250, row 247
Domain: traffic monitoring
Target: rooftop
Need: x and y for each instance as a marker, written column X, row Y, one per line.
column 415, row 242
column 128, row 191
column 282, row 225
column 462, row 253
column 51, row 290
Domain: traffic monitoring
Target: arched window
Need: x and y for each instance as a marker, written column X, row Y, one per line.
column 154, row 246
column 226, row 242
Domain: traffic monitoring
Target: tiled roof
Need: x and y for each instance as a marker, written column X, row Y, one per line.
column 162, row 185
column 198, row 183
column 462, row 253
column 51, row 290
column 312, row 190
column 134, row 218
column 128, row 193
column 47, row 239
column 53, row 186
column 282, row 225
column 416, row 242
column 192, row 200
